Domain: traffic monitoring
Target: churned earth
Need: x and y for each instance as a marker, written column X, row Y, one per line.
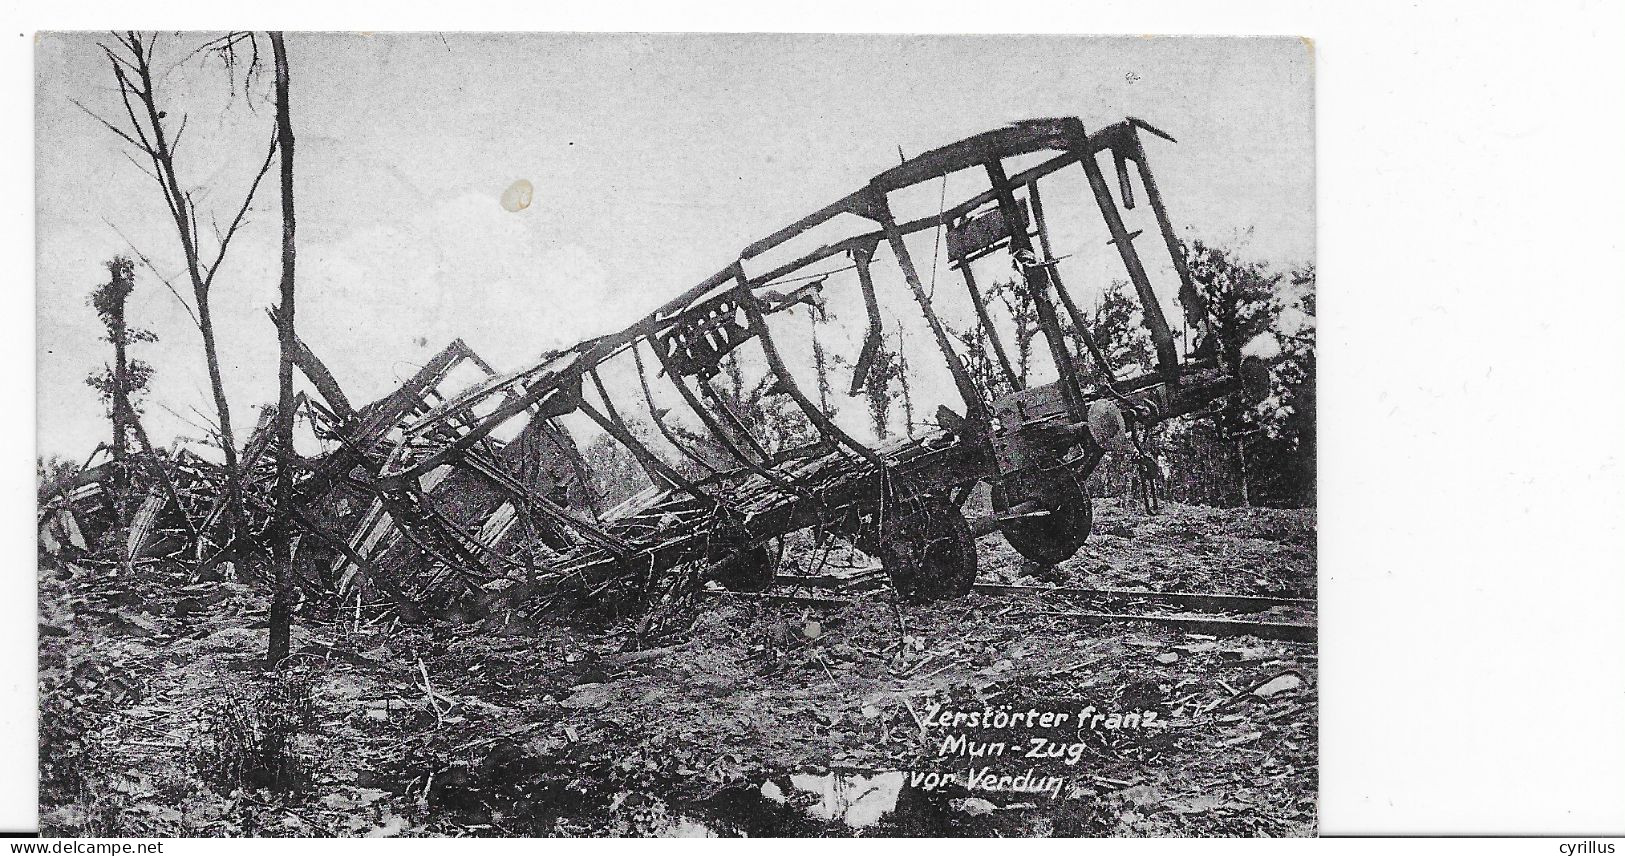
column 755, row 718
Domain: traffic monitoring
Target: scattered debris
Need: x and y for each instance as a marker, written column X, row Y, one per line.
column 1279, row 684
column 550, row 728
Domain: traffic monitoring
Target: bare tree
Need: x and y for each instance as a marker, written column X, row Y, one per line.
column 282, row 543
column 146, row 125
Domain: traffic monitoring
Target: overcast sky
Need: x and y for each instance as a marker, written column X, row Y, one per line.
column 654, row 160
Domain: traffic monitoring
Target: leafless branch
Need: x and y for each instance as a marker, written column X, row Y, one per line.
column 176, row 143
column 191, row 217
column 126, row 89
column 190, row 313
column 106, row 124
column 137, row 164
column 130, row 57
column 225, row 47
column 213, row 434
column 241, row 212
column 116, row 58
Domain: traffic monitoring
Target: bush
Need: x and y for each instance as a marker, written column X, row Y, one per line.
column 256, row 739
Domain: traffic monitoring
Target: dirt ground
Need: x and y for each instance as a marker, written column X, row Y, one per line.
column 758, row 719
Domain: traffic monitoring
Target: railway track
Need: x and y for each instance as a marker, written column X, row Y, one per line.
column 1220, row 615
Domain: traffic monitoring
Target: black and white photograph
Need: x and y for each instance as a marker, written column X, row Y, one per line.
column 675, row 435
column 636, row 424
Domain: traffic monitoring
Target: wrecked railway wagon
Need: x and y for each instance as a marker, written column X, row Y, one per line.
column 723, row 396
column 764, row 401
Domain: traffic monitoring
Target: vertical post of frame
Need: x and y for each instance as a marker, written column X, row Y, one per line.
column 1161, row 337
column 987, row 324
column 861, row 257
column 975, row 407
column 1037, row 281
column 1103, row 365
column 1189, row 298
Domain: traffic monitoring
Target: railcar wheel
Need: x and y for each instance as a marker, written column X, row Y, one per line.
column 928, row 552
column 751, row 569
column 1053, row 538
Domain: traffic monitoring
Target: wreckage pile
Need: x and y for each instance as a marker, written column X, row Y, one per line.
column 459, row 540
column 416, row 506
column 350, row 550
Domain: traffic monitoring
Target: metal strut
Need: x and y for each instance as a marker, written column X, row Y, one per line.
column 1103, row 366
column 1161, row 337
column 975, row 407
column 718, row 433
column 1037, row 281
column 660, row 423
column 617, row 428
column 776, row 364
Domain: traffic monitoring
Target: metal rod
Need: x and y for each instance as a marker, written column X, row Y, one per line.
column 405, row 517
column 717, row 432
column 1184, row 600
column 975, row 407
column 654, row 414
column 1161, row 337
column 1209, row 626
column 1036, row 278
column 615, row 418
column 493, row 470
column 573, row 455
column 738, row 424
column 987, row 324
column 151, row 458
column 776, row 363
column 873, row 337
column 1103, row 366
column 1189, row 298
column 656, row 469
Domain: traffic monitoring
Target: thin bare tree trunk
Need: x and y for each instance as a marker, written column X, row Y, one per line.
column 228, row 442
column 282, row 544
column 1241, row 462
column 117, row 331
column 161, row 149
column 185, row 225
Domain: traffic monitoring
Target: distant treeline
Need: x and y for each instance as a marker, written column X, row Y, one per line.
column 1258, row 447
column 1202, row 466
